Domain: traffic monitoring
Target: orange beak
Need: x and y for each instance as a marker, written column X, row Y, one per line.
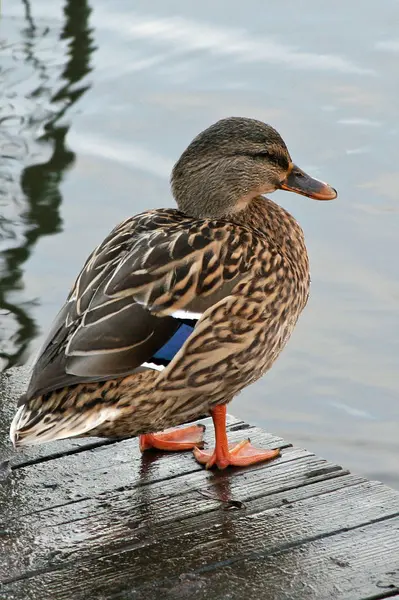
column 301, row 183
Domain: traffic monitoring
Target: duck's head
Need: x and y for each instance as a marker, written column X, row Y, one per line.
column 234, row 161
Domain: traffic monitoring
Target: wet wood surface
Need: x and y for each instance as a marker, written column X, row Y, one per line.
column 96, row 519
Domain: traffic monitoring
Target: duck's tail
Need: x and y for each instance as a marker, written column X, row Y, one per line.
column 39, row 421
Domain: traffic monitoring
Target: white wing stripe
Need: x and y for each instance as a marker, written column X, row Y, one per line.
column 153, row 366
column 185, row 314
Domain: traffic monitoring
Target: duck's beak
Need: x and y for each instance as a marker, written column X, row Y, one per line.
column 301, row 183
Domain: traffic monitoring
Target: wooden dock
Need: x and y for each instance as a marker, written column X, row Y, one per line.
column 97, row 520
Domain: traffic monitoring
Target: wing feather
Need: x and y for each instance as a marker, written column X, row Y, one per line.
column 119, row 311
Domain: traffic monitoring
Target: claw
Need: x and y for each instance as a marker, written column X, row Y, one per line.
column 239, row 455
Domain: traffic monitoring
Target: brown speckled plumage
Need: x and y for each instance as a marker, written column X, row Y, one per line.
column 229, row 254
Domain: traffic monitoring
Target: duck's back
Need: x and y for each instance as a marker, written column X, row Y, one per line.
column 155, row 274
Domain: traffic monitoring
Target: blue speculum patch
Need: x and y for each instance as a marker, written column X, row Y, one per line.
column 173, row 345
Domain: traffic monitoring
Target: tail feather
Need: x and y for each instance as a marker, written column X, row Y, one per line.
column 33, row 426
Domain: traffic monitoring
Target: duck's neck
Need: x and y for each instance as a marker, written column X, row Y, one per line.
column 277, row 225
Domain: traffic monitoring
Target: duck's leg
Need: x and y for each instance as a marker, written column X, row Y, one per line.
column 185, row 438
column 239, row 455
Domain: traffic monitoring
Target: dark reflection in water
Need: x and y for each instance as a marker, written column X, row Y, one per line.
column 40, row 182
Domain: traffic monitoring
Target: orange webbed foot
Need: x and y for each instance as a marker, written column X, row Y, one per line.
column 237, row 455
column 173, row 440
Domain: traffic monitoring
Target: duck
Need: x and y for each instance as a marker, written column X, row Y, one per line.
column 179, row 309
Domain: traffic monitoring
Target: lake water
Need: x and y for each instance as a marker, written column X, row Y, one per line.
column 100, row 98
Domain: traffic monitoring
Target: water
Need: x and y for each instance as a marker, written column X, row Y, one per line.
column 100, row 98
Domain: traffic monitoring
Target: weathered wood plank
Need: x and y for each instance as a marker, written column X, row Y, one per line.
column 361, row 564
column 125, row 553
column 122, row 517
column 71, row 477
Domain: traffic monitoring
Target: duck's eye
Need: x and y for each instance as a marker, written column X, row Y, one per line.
column 272, row 157
column 266, row 154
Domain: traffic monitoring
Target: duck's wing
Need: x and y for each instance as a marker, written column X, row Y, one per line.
column 153, row 273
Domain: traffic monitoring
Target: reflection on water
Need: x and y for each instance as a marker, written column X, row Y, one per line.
column 160, row 73
column 37, row 212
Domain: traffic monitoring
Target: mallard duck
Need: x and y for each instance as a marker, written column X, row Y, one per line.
column 177, row 310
